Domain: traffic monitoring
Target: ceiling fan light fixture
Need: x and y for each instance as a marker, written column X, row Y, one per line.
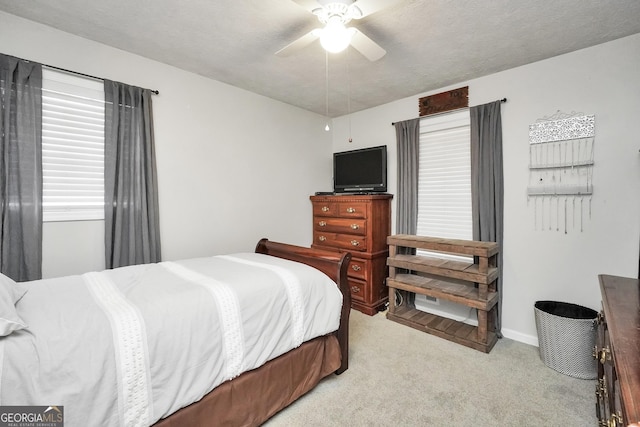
column 335, row 37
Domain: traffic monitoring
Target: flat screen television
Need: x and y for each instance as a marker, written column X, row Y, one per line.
column 360, row 171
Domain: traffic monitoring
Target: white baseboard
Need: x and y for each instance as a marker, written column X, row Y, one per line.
column 520, row 337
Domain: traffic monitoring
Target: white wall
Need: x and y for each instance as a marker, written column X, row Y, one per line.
column 541, row 265
column 233, row 166
column 224, row 184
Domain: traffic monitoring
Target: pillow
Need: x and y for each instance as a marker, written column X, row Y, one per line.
column 10, row 294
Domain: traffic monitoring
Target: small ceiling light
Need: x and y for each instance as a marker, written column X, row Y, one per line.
column 335, row 36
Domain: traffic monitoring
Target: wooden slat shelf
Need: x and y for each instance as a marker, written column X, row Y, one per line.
column 451, row 246
column 441, row 267
column 446, row 290
column 443, row 327
column 472, row 284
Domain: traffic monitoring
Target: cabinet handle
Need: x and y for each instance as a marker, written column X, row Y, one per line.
column 602, row 387
column 605, row 354
column 325, row 209
column 355, row 243
column 351, row 210
column 356, row 267
column 322, row 238
column 322, row 223
column 601, row 354
column 615, row 420
column 355, row 289
column 354, row 226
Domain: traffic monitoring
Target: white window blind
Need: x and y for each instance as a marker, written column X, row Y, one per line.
column 444, row 179
column 72, row 147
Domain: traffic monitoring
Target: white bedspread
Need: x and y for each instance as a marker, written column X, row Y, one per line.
column 129, row 346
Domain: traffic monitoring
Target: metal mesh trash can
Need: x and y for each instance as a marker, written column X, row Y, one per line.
column 566, row 336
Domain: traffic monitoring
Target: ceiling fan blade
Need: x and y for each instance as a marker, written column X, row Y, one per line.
column 310, row 5
column 367, row 7
column 363, row 44
column 296, row 45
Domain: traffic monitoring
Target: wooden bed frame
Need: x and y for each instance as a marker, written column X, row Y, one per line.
column 255, row 396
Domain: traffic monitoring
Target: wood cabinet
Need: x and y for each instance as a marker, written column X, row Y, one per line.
column 358, row 224
column 618, row 352
column 470, row 283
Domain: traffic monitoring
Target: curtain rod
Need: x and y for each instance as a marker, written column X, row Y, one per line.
column 86, row 75
column 445, row 112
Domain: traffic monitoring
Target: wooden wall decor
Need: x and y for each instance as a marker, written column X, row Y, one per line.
column 445, row 101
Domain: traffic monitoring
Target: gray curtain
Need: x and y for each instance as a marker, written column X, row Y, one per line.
column 408, row 142
column 132, row 231
column 487, row 183
column 20, row 168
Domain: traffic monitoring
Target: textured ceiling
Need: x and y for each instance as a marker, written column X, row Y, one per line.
column 429, row 43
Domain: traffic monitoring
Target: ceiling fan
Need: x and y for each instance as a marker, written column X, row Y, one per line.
column 335, row 36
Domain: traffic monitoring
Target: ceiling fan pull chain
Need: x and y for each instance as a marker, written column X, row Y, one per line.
column 349, row 97
column 326, row 79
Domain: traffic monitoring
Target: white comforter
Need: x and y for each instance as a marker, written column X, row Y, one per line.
column 130, row 346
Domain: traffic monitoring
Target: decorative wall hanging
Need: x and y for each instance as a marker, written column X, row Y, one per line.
column 445, row 101
column 561, row 149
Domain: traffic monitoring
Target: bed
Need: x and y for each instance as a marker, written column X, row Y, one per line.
column 224, row 340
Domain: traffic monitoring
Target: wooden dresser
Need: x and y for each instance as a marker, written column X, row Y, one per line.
column 618, row 352
column 358, row 224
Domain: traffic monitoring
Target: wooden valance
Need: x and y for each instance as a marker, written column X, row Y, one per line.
column 445, row 101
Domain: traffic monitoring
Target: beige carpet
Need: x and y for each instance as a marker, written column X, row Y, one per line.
column 399, row 376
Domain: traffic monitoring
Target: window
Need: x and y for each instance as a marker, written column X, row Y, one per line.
column 444, row 177
column 72, row 147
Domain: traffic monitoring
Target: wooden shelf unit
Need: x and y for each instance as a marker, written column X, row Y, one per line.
column 472, row 284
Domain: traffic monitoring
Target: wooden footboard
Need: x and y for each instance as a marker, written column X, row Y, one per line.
column 334, row 265
column 255, row 396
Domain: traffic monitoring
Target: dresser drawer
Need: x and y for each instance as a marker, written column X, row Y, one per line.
column 358, row 289
column 340, row 209
column 340, row 241
column 358, row 269
column 352, row 210
column 340, row 225
column 325, row 209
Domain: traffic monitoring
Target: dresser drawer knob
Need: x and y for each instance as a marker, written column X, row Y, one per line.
column 356, row 267
column 355, row 243
column 322, row 223
column 325, row 209
column 355, row 289
column 322, row 238
column 351, row 210
column 354, row 226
